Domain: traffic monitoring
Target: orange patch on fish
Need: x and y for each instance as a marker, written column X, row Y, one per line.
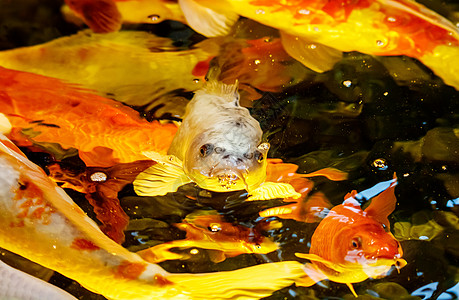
column 162, row 281
column 129, row 270
column 31, row 204
column 84, row 244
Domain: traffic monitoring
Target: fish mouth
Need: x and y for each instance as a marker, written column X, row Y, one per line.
column 228, row 178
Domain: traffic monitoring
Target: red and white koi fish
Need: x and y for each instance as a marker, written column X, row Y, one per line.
column 40, row 222
column 316, row 32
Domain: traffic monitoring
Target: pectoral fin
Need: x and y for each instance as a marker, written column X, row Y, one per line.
column 315, row 56
column 206, row 21
column 273, row 190
column 316, row 258
column 166, row 176
column 5, row 125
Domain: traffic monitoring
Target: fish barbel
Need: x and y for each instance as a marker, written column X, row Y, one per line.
column 40, row 222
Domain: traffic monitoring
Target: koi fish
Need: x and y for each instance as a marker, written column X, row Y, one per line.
column 317, row 32
column 218, row 146
column 44, row 109
column 107, row 15
column 351, row 245
column 211, row 232
column 15, row 284
column 40, row 222
column 133, row 67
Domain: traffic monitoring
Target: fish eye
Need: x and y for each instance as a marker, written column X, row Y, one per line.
column 206, row 149
column 259, row 156
column 154, row 18
column 248, row 155
column 356, row 242
column 258, row 246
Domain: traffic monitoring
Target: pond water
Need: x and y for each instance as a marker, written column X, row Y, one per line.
column 369, row 116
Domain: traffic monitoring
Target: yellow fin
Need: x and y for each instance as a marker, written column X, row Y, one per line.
column 206, row 21
column 273, row 190
column 316, row 258
column 248, row 283
column 315, row 56
column 166, row 176
column 5, row 125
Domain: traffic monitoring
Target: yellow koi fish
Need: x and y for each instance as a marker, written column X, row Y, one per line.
column 316, row 32
column 351, row 245
column 39, row 221
column 132, row 67
column 210, row 231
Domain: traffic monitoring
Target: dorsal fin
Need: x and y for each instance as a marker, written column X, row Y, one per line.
column 383, row 205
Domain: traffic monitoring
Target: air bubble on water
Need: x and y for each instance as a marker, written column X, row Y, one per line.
column 380, row 164
column 98, row 177
column 154, row 18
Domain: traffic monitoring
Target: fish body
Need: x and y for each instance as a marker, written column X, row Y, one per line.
column 40, row 222
column 218, row 146
column 47, row 110
column 211, row 232
column 351, row 245
column 133, row 67
column 315, row 32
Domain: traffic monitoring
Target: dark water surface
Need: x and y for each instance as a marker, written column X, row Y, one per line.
column 358, row 117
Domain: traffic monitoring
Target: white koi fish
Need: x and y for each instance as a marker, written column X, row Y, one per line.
column 218, row 146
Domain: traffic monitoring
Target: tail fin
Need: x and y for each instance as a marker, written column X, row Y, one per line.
column 249, row 283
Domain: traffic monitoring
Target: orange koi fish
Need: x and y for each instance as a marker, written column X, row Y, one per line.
column 134, row 67
column 40, row 222
column 211, row 232
column 107, row 15
column 316, row 32
column 351, row 245
column 44, row 109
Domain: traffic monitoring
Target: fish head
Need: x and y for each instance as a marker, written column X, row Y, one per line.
column 263, row 246
column 366, row 243
column 220, row 166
